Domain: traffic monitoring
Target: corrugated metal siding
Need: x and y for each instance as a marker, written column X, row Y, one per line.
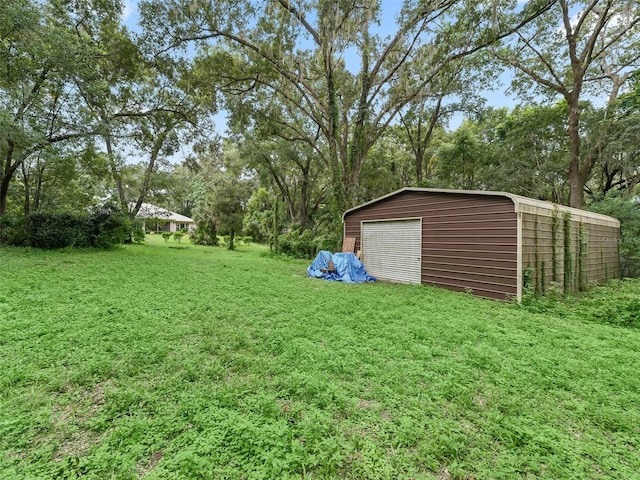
column 468, row 241
column 391, row 250
column 590, row 257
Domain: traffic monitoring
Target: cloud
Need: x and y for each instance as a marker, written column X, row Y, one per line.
column 128, row 9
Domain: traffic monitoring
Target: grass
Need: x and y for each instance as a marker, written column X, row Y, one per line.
column 157, row 362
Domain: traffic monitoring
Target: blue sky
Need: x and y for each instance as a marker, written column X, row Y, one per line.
column 497, row 98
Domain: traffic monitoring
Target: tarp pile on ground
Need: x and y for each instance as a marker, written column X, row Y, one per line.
column 346, row 268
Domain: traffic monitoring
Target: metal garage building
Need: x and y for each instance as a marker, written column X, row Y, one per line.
column 494, row 244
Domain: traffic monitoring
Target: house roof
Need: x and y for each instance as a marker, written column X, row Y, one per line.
column 520, row 203
column 148, row 210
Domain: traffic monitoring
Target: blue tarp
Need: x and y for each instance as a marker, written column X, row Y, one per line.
column 347, row 268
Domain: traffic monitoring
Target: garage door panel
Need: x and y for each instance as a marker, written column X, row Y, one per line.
column 391, row 250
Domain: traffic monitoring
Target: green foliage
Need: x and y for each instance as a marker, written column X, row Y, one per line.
column 221, row 191
column 204, row 234
column 206, row 231
column 568, row 253
column 12, row 230
column 298, row 244
column 227, row 205
column 258, row 219
column 166, row 236
column 461, row 160
column 177, row 236
column 307, row 243
column 57, row 230
column 627, row 210
column 104, row 229
column 109, row 227
column 301, row 378
column 616, row 303
column 554, row 245
column 137, row 232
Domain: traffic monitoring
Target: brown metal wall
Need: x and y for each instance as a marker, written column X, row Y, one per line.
column 468, row 241
column 594, row 263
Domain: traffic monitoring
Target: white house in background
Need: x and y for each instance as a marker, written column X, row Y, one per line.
column 158, row 219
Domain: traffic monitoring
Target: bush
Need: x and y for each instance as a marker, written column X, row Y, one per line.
column 13, row 231
column 177, row 236
column 137, row 230
column 166, row 236
column 329, row 241
column 307, row 243
column 627, row 210
column 110, row 227
column 298, row 244
column 205, row 233
column 58, row 230
column 102, row 229
column 620, row 308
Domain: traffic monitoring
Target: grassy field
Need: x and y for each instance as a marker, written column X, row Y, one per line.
column 192, row 362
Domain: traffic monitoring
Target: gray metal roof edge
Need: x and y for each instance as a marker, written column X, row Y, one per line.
column 166, row 214
column 517, row 200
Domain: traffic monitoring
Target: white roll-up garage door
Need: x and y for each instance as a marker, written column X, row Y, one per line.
column 391, row 250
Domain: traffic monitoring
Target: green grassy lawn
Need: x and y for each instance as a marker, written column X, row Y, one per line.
column 158, row 362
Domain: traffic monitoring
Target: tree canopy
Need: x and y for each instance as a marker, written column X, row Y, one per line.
column 328, row 103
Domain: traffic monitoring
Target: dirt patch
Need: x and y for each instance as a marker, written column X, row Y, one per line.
column 144, row 469
column 68, row 421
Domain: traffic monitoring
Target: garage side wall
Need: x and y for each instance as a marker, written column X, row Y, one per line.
column 469, row 242
column 567, row 252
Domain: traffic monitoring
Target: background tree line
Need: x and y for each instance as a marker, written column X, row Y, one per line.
column 327, row 107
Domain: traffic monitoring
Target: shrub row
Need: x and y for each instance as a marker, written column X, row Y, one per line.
column 305, row 244
column 103, row 229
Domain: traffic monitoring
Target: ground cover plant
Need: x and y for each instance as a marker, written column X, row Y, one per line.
column 200, row 362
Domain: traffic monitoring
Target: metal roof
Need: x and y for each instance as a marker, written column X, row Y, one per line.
column 520, row 204
column 148, row 210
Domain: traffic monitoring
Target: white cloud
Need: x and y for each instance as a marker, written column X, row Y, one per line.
column 128, row 9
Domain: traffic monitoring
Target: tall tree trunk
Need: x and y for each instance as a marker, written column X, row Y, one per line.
column 157, row 145
column 27, row 193
column 4, row 192
column 232, row 236
column 576, row 179
column 7, row 174
column 116, row 175
column 37, row 196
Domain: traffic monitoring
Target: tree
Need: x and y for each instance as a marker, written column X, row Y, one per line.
column 59, row 179
column 222, row 188
column 325, row 61
column 258, row 221
column 626, row 210
column 461, row 160
column 453, row 90
column 528, row 151
column 577, row 47
column 613, row 135
column 40, row 49
column 228, row 202
column 389, row 165
column 290, row 167
column 141, row 104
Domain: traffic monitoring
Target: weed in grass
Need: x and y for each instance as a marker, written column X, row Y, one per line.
column 240, row 367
